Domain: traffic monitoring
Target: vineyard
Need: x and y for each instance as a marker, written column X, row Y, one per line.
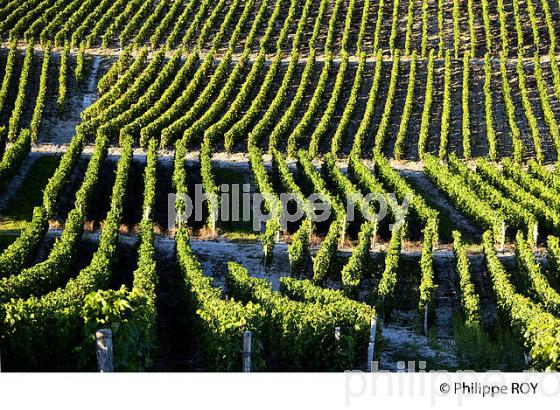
column 114, row 114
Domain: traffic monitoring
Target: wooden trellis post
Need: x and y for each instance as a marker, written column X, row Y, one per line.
column 337, row 338
column 535, row 235
column 104, row 350
column 247, row 346
column 503, row 238
column 426, row 308
column 371, row 345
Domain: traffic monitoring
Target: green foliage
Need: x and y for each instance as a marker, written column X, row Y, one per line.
column 383, row 128
column 209, row 22
column 538, row 171
column 110, row 105
column 530, row 184
column 440, row 19
column 472, row 28
column 324, row 259
column 14, row 122
column 503, row 26
column 120, row 22
column 145, row 22
column 408, row 106
column 326, row 122
column 182, row 21
column 367, row 119
column 211, row 189
column 106, row 21
column 63, row 21
column 119, row 88
column 99, row 14
column 40, row 102
column 298, row 251
column 481, row 350
column 300, row 335
column 539, row 329
column 54, row 271
column 378, row 24
column 513, row 213
column 152, row 111
column 121, row 311
column 81, row 68
column 542, row 211
column 456, row 27
column 446, row 113
column 427, row 108
column 271, row 202
column 518, row 147
column 529, row 113
column 220, row 323
column 323, row 262
column 470, row 301
column 131, row 315
column 39, row 332
column 393, row 180
column 116, row 120
column 116, row 70
column 368, row 182
column 295, row 137
column 427, row 286
column 553, row 258
column 201, row 113
column 245, row 122
column 343, row 189
column 169, row 23
column 466, row 121
column 234, row 112
column 388, row 282
column 548, row 112
column 63, row 78
column 341, row 129
column 489, row 118
column 360, row 261
column 62, row 174
column 424, row 45
column 409, row 25
column 532, row 277
column 462, row 197
column 154, row 128
column 394, row 26
column 518, row 26
column 198, row 129
column 268, row 120
column 348, row 23
column 21, row 252
column 14, row 157
column 8, row 73
column 486, row 23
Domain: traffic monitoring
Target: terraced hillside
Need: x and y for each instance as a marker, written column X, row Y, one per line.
column 439, row 116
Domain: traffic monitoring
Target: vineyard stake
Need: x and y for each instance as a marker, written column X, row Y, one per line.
column 337, row 337
column 343, row 234
column 426, row 319
column 247, row 344
column 104, row 350
column 371, row 345
column 535, row 235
